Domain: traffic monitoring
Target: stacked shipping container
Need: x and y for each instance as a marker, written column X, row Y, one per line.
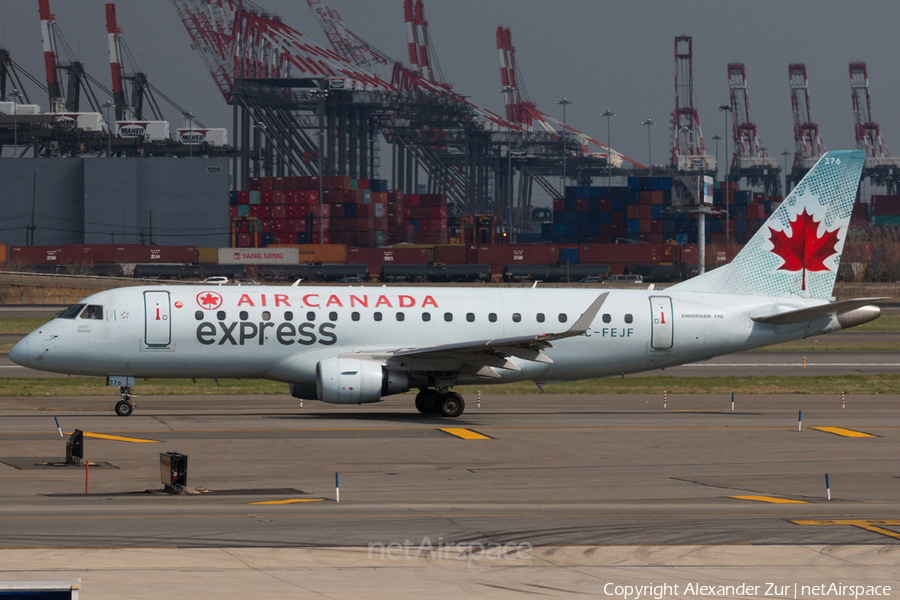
column 643, row 212
column 356, row 212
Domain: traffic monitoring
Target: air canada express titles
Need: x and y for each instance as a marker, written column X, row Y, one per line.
column 305, row 333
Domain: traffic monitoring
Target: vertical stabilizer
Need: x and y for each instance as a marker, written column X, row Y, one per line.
column 797, row 251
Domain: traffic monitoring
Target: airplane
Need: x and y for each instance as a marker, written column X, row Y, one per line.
column 356, row 345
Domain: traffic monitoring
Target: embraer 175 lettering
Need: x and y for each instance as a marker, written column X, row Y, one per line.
column 358, row 345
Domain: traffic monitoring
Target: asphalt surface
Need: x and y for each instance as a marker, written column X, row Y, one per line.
column 556, row 470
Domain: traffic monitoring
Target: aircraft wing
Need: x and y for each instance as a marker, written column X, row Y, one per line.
column 804, row 315
column 480, row 356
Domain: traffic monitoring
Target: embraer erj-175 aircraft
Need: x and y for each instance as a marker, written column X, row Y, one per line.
column 352, row 345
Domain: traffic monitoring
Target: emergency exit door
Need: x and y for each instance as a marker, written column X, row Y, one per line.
column 157, row 320
column 662, row 335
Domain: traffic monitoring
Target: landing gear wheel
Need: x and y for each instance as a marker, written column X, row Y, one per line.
column 452, row 405
column 428, row 402
column 124, row 408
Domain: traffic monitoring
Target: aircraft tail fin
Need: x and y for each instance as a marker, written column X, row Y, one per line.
column 797, row 251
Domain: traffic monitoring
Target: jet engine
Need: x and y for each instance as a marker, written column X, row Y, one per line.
column 355, row 381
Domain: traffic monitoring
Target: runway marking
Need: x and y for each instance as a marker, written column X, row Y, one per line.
column 291, row 501
column 770, row 499
column 868, row 525
column 465, row 434
column 844, row 432
column 118, row 438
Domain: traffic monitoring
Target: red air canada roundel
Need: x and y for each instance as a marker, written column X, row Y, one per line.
column 209, row 300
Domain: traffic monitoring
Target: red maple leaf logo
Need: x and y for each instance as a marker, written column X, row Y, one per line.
column 804, row 250
column 209, row 300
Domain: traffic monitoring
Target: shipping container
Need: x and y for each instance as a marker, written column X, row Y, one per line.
column 35, row 255
column 197, row 136
column 319, row 253
column 258, row 256
column 503, row 254
column 154, row 131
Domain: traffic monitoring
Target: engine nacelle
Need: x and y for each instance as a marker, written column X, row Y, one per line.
column 354, row 381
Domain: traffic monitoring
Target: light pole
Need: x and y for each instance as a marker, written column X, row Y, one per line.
column 509, row 90
column 785, row 155
column 565, row 102
column 717, row 137
column 320, row 95
column 15, row 95
column 106, row 105
column 727, row 109
column 648, row 123
column 608, row 114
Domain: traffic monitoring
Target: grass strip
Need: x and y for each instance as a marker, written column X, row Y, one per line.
column 770, row 384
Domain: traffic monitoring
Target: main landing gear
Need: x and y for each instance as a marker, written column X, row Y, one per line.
column 447, row 404
column 125, row 407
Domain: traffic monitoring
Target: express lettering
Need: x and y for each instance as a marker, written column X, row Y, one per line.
column 246, row 333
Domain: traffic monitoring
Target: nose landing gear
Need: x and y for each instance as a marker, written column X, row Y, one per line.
column 125, row 406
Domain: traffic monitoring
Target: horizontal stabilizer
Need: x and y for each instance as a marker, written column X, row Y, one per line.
column 804, row 315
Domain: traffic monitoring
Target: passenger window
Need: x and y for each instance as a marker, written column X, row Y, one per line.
column 377, row 316
column 563, row 318
column 629, row 318
column 354, row 315
column 400, row 316
column 243, row 315
column 288, row 315
column 426, row 316
column 492, row 317
column 517, row 317
column 93, row 311
column 332, row 316
column 540, row 317
column 266, row 315
column 310, row 316
column 448, row 317
column 71, row 312
column 607, row 318
column 470, row 317
column 220, row 315
column 198, row 315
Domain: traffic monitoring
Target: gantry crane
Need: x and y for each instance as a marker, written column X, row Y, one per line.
column 688, row 148
column 880, row 167
column 808, row 146
column 750, row 160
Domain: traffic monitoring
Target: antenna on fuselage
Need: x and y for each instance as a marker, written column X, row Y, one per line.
column 296, row 283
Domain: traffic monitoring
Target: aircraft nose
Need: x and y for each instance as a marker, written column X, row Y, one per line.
column 19, row 353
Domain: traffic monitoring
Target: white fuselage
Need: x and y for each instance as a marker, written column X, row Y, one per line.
column 280, row 333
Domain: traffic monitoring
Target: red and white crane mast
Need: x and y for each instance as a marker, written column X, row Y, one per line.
column 115, row 63
column 51, row 57
column 748, row 151
column 808, row 146
column 868, row 133
column 688, row 149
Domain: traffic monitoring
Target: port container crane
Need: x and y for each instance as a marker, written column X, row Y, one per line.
column 750, row 160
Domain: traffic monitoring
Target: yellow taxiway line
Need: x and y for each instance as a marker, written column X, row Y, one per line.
column 844, row 432
column 118, row 438
column 466, row 434
column 291, row 501
column 770, row 499
column 868, row 525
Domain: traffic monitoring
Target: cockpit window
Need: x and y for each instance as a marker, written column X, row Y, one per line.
column 93, row 311
column 71, row 312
